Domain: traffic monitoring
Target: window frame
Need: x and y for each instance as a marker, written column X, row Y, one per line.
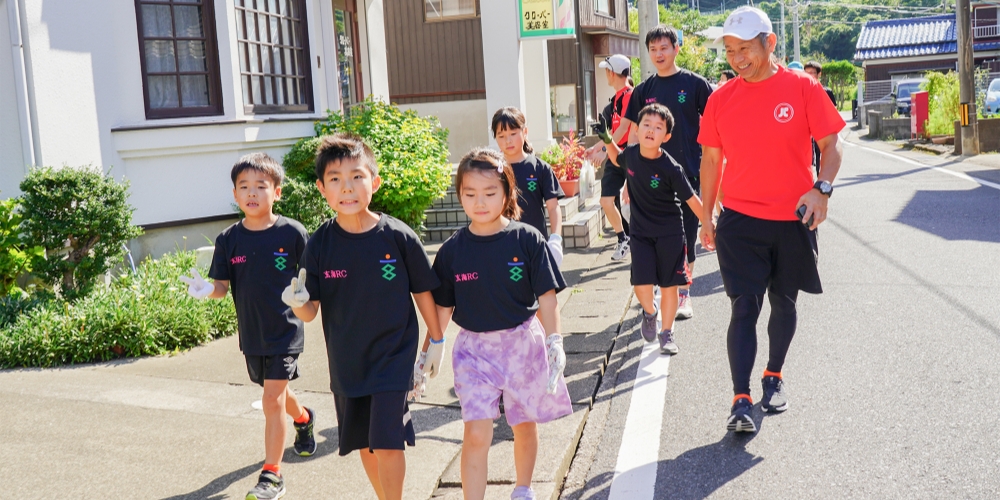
column 611, row 8
column 215, row 106
column 306, row 63
column 463, row 17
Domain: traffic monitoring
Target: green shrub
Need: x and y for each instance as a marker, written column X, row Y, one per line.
column 82, row 218
column 15, row 255
column 943, row 105
column 148, row 313
column 300, row 200
column 412, row 154
column 300, row 162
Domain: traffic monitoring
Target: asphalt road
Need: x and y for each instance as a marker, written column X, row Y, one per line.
column 893, row 376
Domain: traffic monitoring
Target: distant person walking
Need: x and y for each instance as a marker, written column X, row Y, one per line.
column 761, row 123
column 815, row 70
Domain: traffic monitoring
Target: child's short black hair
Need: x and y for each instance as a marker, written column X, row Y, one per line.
column 260, row 162
column 342, row 146
column 814, row 65
column 660, row 32
column 661, row 111
column 730, row 74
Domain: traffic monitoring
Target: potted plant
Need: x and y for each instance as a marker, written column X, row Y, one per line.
column 566, row 159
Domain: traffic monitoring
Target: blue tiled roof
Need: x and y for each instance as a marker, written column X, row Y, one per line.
column 919, row 36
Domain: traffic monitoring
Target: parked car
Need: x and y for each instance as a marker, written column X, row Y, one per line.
column 902, row 94
column 993, row 98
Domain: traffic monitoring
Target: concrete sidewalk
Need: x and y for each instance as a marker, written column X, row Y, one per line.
column 184, row 426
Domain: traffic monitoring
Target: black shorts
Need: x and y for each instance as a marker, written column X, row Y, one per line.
column 612, row 181
column 379, row 421
column 659, row 261
column 276, row 367
column 756, row 255
column 690, row 231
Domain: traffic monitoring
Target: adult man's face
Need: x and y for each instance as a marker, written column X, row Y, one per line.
column 663, row 53
column 751, row 59
column 813, row 73
column 610, row 75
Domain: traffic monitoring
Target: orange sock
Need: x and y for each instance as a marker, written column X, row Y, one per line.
column 769, row 373
column 275, row 468
column 304, row 417
column 738, row 396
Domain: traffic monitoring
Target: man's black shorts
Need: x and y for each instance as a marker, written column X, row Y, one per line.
column 612, row 181
column 756, row 255
column 379, row 421
column 276, row 367
column 659, row 261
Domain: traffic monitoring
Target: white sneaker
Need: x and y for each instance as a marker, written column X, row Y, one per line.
column 684, row 310
column 621, row 249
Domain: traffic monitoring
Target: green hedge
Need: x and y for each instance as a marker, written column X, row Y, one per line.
column 148, row 313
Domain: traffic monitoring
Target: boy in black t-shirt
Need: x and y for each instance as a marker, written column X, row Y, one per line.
column 362, row 268
column 258, row 256
column 685, row 94
column 656, row 187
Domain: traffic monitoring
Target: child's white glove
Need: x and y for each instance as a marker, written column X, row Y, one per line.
column 295, row 294
column 556, row 246
column 197, row 286
column 627, row 212
column 434, row 358
column 419, row 380
column 557, row 359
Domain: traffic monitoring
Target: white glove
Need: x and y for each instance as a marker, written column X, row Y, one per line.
column 295, row 294
column 419, row 380
column 627, row 212
column 556, row 246
column 197, row 286
column 557, row 359
column 434, row 358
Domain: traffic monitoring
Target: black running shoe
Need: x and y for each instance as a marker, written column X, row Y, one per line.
column 775, row 398
column 305, row 443
column 741, row 419
column 269, row 487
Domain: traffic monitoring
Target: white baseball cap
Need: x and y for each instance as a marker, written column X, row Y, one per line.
column 745, row 23
column 617, row 63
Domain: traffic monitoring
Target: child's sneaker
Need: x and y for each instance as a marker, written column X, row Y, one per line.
column 667, row 345
column 775, row 398
column 741, row 418
column 650, row 325
column 684, row 310
column 523, row 493
column 305, row 442
column 621, row 249
column 269, row 487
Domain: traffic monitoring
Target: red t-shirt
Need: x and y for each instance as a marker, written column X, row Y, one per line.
column 764, row 130
column 620, row 104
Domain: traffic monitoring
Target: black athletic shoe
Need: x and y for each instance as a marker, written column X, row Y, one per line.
column 305, row 443
column 775, row 398
column 741, row 419
column 269, row 487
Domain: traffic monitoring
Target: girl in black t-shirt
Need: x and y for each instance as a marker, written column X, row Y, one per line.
column 538, row 189
column 496, row 274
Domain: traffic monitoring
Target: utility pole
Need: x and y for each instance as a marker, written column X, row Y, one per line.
column 649, row 17
column 966, row 79
column 795, row 35
column 784, row 41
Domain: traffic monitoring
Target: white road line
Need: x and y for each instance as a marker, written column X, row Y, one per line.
column 904, row 159
column 639, row 455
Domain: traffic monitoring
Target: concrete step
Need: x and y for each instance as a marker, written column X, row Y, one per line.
column 445, row 217
column 584, row 229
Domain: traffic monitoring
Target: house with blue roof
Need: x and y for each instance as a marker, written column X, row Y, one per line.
column 897, row 49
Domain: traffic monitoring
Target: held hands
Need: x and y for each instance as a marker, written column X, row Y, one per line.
column 816, row 207
column 296, row 295
column 419, row 380
column 557, row 360
column 197, row 286
column 428, row 365
column 435, row 357
column 556, row 247
column 707, row 235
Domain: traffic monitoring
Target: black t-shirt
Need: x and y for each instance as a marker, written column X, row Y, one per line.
column 363, row 283
column 685, row 94
column 537, row 183
column 259, row 265
column 656, row 189
column 494, row 281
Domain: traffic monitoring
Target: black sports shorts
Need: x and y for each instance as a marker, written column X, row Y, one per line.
column 276, row 367
column 379, row 421
column 756, row 255
column 659, row 261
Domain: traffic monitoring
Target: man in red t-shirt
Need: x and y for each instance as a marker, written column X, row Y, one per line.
column 761, row 123
column 617, row 69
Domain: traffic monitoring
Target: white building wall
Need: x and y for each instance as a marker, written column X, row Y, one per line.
column 12, row 166
column 467, row 123
column 87, row 86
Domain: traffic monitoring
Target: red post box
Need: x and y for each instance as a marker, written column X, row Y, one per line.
column 918, row 114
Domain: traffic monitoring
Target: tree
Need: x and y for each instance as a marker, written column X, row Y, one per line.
column 841, row 76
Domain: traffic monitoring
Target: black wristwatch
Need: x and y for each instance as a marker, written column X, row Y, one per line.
column 824, row 187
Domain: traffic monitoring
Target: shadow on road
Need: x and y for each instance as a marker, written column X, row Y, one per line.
column 954, row 215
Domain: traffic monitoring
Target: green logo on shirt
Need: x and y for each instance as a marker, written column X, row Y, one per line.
column 280, row 260
column 516, row 270
column 655, row 182
column 532, row 183
column 681, row 97
column 388, row 270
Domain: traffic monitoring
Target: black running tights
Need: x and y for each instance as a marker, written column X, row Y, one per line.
column 742, row 338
